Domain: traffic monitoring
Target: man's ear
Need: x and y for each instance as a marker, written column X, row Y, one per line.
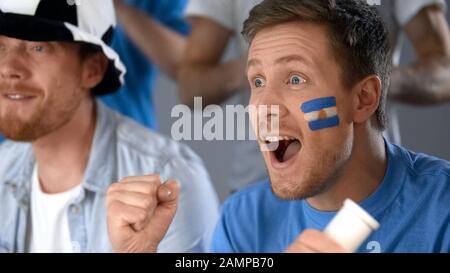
column 367, row 98
column 94, row 69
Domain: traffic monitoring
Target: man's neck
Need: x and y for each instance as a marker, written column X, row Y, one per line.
column 62, row 156
column 360, row 177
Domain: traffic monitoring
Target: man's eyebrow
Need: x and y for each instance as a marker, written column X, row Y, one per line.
column 292, row 58
column 282, row 60
column 253, row 62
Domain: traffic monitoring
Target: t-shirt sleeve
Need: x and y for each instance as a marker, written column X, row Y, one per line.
column 405, row 10
column 221, row 11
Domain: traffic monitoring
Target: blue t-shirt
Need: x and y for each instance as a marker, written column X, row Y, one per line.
column 135, row 98
column 412, row 205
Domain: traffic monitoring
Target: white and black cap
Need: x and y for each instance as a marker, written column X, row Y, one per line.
column 82, row 21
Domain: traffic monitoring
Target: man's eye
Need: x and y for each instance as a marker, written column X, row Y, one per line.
column 296, row 80
column 259, row 82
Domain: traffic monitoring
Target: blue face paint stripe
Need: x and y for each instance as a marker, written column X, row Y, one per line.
column 324, row 123
column 318, row 104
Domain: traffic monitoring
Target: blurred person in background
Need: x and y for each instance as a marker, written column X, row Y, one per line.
column 426, row 81
column 150, row 37
column 204, row 73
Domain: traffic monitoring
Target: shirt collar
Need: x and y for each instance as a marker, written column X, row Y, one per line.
column 101, row 159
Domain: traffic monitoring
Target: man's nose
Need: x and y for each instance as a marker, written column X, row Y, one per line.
column 270, row 111
column 13, row 67
column 274, row 104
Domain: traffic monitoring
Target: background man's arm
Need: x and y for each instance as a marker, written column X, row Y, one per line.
column 426, row 82
column 159, row 43
column 201, row 73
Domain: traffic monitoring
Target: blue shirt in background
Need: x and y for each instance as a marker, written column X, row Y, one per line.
column 412, row 205
column 135, row 98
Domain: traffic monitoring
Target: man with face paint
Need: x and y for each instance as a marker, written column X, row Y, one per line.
column 326, row 65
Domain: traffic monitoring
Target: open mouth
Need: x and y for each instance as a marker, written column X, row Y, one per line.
column 286, row 147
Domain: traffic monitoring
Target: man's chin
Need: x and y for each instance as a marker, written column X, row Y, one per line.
column 296, row 189
column 287, row 191
column 23, row 134
column 20, row 136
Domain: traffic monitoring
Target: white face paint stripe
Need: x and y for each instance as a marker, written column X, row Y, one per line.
column 331, row 111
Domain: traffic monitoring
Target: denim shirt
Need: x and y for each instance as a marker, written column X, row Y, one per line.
column 120, row 148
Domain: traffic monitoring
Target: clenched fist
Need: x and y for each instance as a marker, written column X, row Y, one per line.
column 140, row 211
